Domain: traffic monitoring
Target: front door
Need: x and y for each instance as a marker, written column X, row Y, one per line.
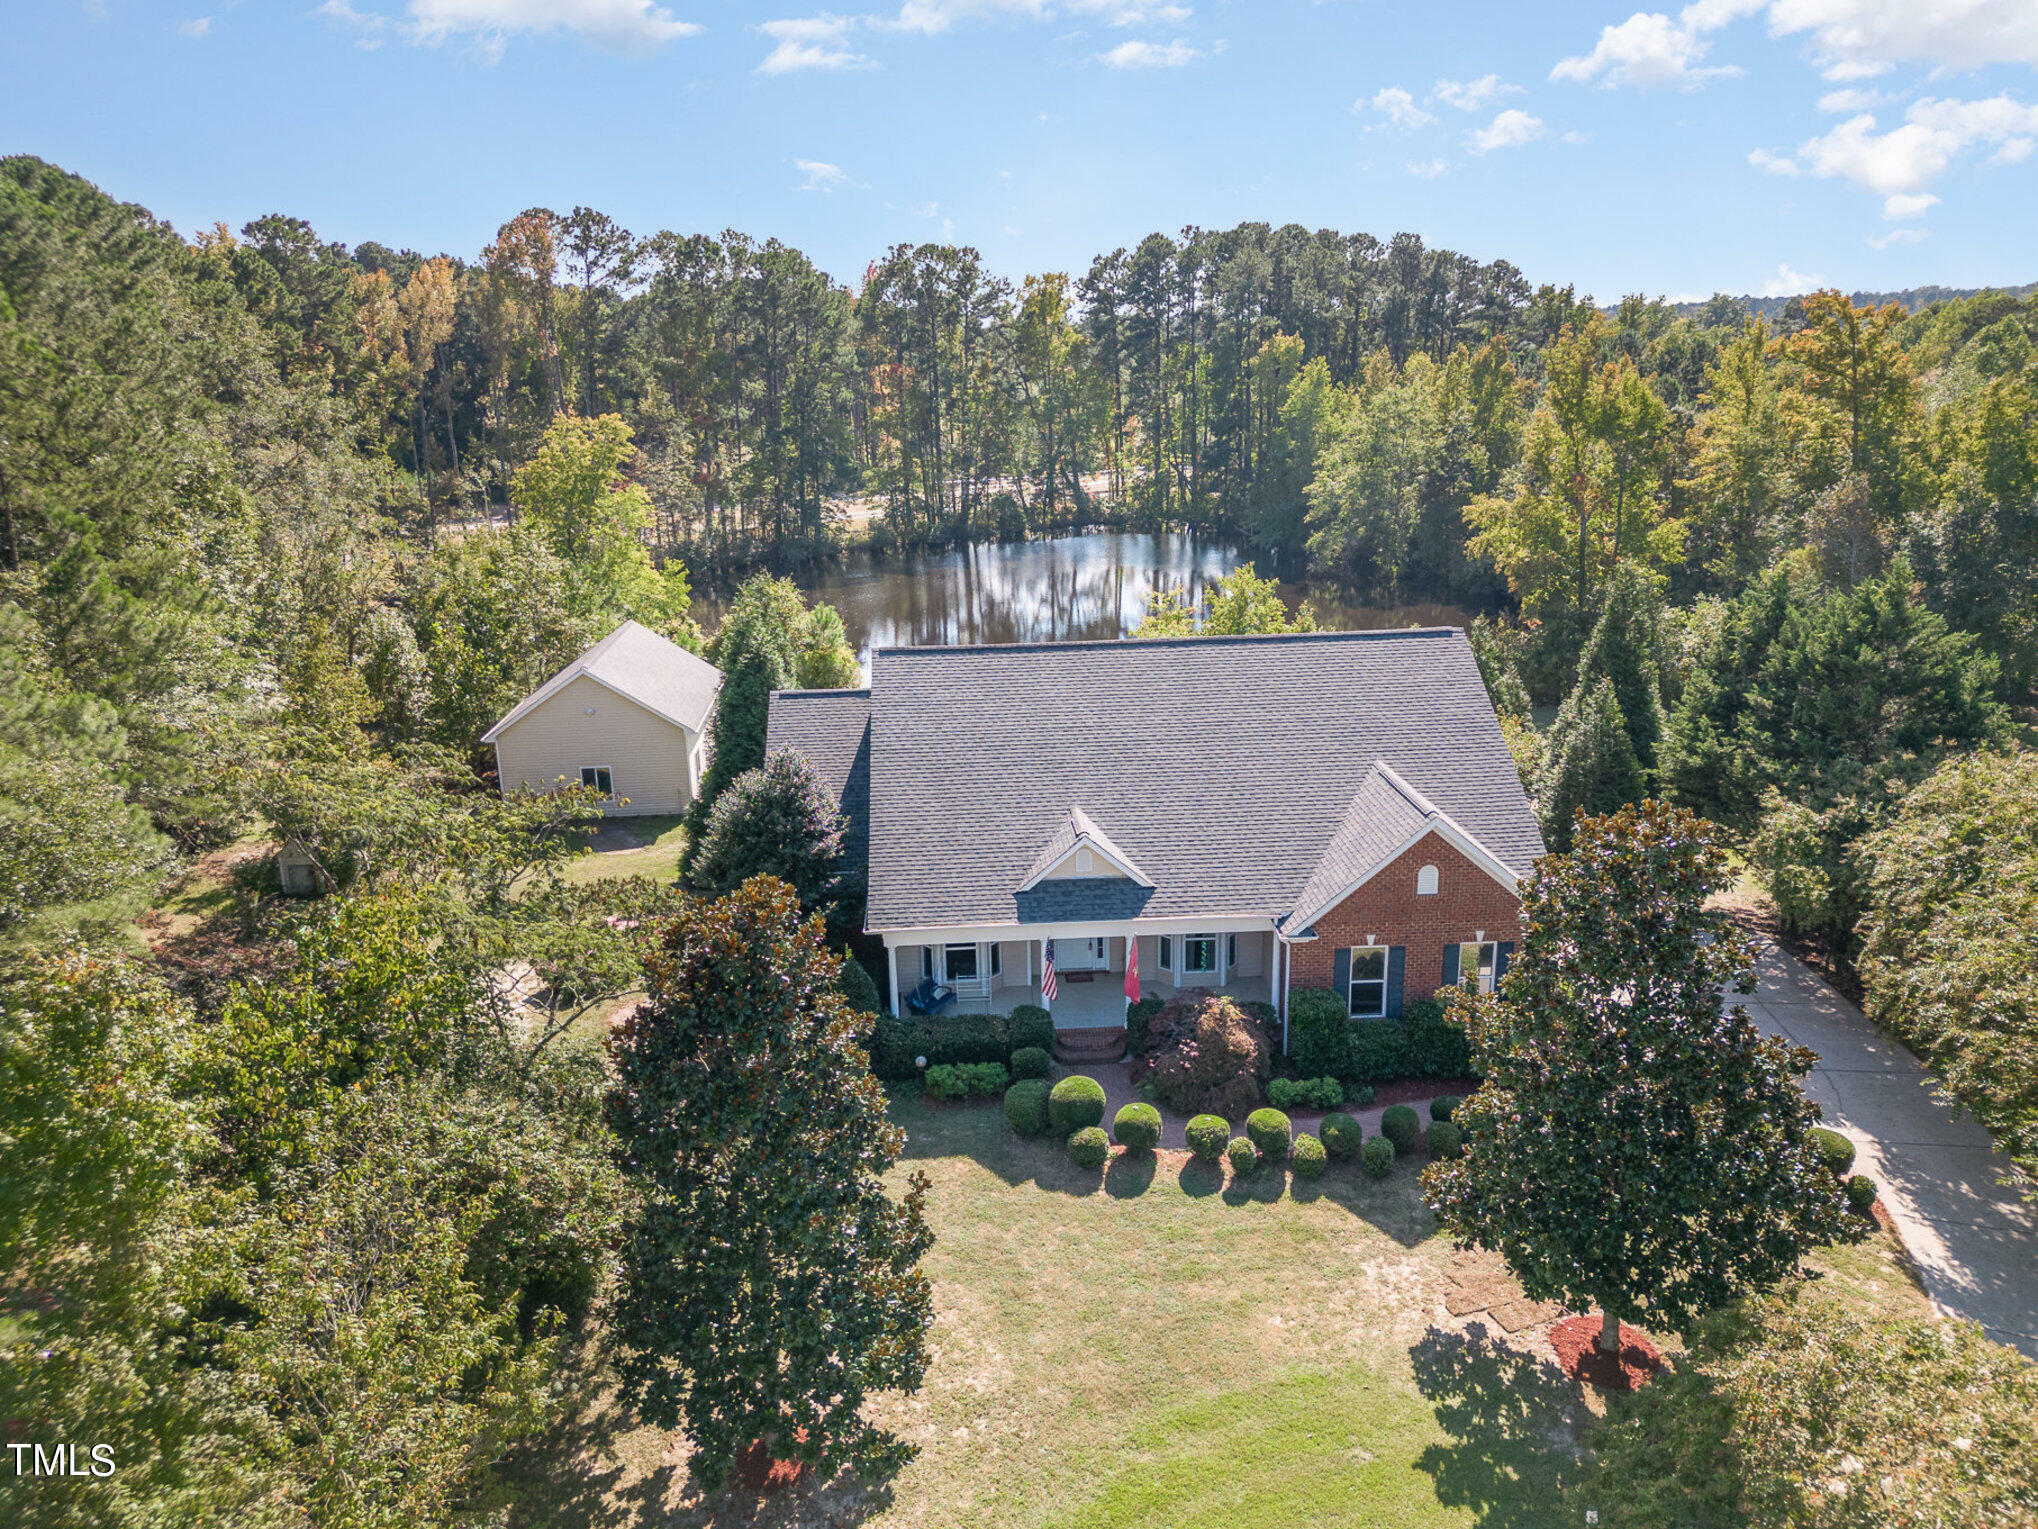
column 1093, row 955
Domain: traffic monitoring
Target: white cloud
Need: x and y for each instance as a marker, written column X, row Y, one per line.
column 1788, row 283
column 1906, row 205
column 1510, row 130
column 1428, row 169
column 1470, row 95
column 1574, row 136
column 1651, row 50
column 1934, row 133
column 1775, row 164
column 932, row 16
column 1138, row 53
column 1900, row 236
column 812, row 42
column 1851, row 100
column 197, row 26
column 1851, row 36
column 623, row 26
column 2013, row 151
column 1399, row 107
column 820, row 175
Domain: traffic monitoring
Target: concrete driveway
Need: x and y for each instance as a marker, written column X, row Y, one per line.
column 1973, row 1236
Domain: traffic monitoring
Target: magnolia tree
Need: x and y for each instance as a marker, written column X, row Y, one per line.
column 773, row 1285
column 1635, row 1146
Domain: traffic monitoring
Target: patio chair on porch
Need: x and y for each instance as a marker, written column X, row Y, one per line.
column 930, row 997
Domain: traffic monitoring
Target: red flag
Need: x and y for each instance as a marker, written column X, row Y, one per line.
column 1132, row 968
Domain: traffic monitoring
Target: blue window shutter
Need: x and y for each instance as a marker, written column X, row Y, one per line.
column 1395, row 964
column 1500, row 961
column 1341, row 976
column 1450, row 966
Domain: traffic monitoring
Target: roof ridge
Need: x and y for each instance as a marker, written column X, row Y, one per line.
column 823, row 690
column 1195, row 639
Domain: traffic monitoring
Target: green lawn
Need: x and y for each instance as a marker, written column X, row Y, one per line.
column 1153, row 1346
column 659, row 839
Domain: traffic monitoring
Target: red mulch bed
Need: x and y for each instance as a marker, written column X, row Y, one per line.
column 1576, row 1340
column 1419, row 1088
column 756, row 1469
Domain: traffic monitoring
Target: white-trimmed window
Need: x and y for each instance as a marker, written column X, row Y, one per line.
column 599, row 778
column 1426, row 881
column 959, row 963
column 1478, row 960
column 1369, row 982
column 1199, row 953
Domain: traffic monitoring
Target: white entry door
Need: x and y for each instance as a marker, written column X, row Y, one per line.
column 1093, row 955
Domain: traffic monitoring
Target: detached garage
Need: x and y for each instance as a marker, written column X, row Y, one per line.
column 629, row 717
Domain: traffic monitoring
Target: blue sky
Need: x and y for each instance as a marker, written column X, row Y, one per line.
column 1744, row 145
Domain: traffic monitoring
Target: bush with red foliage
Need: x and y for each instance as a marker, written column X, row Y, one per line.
column 1209, row 1054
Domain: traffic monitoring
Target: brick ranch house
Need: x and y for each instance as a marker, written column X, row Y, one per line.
column 1252, row 814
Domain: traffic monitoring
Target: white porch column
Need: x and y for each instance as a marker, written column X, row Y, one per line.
column 1280, row 976
column 898, row 998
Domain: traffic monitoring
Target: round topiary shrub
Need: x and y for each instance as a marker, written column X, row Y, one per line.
column 1026, row 1106
column 1834, row 1151
column 1402, row 1126
column 1861, row 1193
column 1378, row 1156
column 1342, row 1137
column 1089, row 1147
column 1137, row 1128
column 1207, row 1136
column 1243, row 1156
column 1307, row 1157
column 1075, row 1103
column 1271, row 1133
column 1444, row 1106
column 1029, row 1062
column 1445, row 1139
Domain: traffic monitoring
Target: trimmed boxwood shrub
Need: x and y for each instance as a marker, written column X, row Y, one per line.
column 1030, row 1062
column 1319, row 1024
column 1207, row 1136
column 1075, row 1103
column 1089, row 1147
column 1137, row 1128
column 1137, row 1019
column 1378, row 1156
column 1342, row 1137
column 1270, row 1132
column 1861, row 1193
column 1445, row 1139
column 1243, row 1156
column 967, row 1080
column 1305, row 1093
column 897, row 1043
column 1420, row 1044
column 1402, row 1126
column 1030, row 1025
column 1834, row 1151
column 1444, row 1106
column 1307, row 1157
column 1026, row 1106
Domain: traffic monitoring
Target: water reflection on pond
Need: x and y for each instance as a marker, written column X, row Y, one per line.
column 1065, row 589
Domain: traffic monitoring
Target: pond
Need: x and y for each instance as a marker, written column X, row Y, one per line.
column 1067, row 588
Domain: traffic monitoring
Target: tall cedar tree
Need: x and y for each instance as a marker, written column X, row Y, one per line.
column 1634, row 1147
column 772, row 1285
column 1623, row 651
column 778, row 820
column 1594, row 769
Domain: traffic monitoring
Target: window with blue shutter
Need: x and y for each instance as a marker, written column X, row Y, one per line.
column 1451, row 964
column 1396, row 964
column 1341, row 974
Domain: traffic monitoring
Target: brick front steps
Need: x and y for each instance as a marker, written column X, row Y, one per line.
column 1089, row 1047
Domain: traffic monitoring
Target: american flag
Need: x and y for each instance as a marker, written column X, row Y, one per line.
column 1047, row 970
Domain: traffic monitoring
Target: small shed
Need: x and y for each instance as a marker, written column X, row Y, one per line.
column 299, row 871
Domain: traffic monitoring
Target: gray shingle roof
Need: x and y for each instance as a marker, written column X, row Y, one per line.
column 831, row 728
column 1077, row 826
column 634, row 661
column 1224, row 766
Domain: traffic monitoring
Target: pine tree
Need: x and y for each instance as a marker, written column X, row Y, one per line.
column 1623, row 650
column 1594, row 769
column 776, row 820
column 773, row 1286
column 1631, row 1148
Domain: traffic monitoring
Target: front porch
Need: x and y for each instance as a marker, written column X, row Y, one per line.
column 1100, row 1002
